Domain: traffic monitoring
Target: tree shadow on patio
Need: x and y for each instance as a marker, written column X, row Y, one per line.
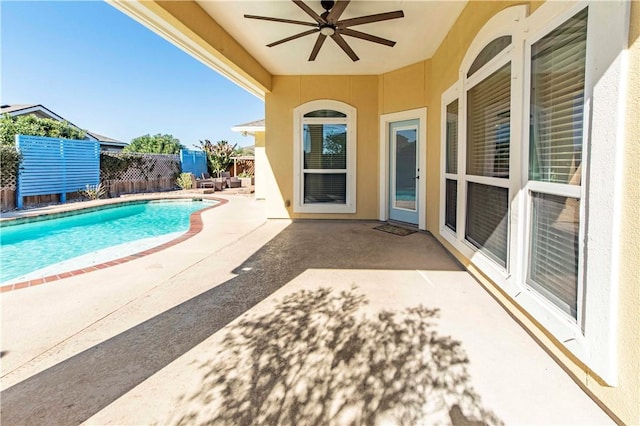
column 317, row 358
column 73, row 390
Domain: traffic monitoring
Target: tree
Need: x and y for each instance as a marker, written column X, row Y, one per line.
column 35, row 126
column 218, row 155
column 246, row 151
column 157, row 144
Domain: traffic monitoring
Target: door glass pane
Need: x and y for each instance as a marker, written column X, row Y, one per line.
column 325, row 188
column 405, row 169
column 452, row 137
column 451, row 203
column 325, row 146
column 487, row 219
column 553, row 256
column 557, row 101
column 488, row 127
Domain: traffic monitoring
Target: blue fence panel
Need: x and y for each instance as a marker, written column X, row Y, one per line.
column 56, row 166
column 193, row 162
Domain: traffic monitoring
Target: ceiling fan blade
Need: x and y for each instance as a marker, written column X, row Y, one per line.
column 370, row 18
column 286, row 21
column 317, row 46
column 344, row 46
column 364, row 36
column 337, row 10
column 293, row 37
column 302, row 5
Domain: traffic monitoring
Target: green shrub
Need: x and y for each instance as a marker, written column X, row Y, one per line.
column 218, row 155
column 10, row 164
column 156, row 144
column 184, row 181
column 93, row 192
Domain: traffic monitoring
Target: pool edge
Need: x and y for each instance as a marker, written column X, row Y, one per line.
column 195, row 226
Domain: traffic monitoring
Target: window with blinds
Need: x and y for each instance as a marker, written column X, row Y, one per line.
column 325, row 146
column 553, row 269
column 452, row 138
column 451, row 204
column 325, row 188
column 488, row 145
column 325, row 161
column 487, row 220
column 488, row 125
column 555, row 157
column 557, row 100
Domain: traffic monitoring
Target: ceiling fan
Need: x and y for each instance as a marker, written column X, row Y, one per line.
column 328, row 24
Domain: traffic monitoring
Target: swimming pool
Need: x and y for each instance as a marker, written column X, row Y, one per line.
column 36, row 243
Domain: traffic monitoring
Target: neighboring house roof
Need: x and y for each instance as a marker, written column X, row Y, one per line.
column 250, row 128
column 102, row 138
column 43, row 112
column 107, row 141
column 11, row 108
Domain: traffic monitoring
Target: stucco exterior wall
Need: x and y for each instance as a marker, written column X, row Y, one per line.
column 288, row 92
column 262, row 166
column 625, row 399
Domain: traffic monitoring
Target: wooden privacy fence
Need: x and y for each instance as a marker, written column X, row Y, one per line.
column 244, row 164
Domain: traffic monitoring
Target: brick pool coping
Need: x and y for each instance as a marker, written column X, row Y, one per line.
column 195, row 227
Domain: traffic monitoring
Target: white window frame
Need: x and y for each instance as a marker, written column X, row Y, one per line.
column 450, row 95
column 593, row 337
column 419, row 114
column 299, row 120
column 554, row 317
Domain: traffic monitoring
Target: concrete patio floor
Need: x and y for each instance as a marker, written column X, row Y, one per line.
column 256, row 321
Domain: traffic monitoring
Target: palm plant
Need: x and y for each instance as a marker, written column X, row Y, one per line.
column 218, row 155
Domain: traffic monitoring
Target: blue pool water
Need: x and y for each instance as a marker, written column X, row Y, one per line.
column 30, row 246
column 406, row 194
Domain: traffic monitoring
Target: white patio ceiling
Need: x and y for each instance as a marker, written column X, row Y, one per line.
column 417, row 35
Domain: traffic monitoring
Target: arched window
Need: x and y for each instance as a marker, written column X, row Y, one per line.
column 324, row 157
column 489, row 52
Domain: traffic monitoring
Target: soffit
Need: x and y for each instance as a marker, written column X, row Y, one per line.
column 417, row 35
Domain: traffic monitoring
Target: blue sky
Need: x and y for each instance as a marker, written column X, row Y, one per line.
column 104, row 72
